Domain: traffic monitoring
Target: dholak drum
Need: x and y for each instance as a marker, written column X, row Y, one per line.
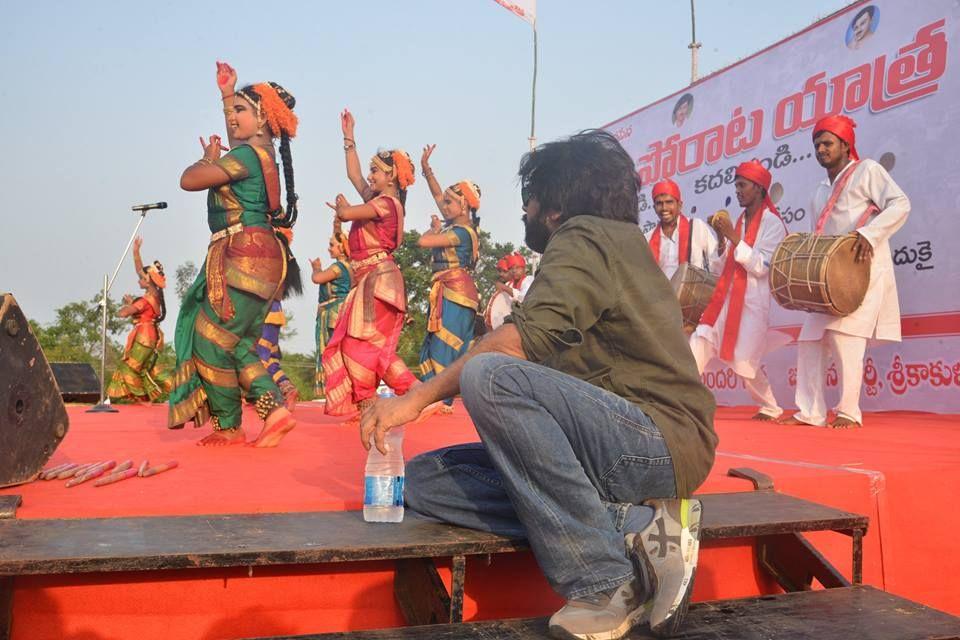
column 497, row 310
column 818, row 274
column 694, row 287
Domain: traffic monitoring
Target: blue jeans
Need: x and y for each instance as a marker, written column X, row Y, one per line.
column 560, row 463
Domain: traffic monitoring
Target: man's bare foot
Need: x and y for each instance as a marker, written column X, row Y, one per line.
column 792, row 420
column 762, row 417
column 278, row 424
column 223, row 438
column 446, row 410
column 844, row 423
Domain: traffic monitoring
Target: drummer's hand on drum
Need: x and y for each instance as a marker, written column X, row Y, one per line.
column 862, row 248
column 503, row 288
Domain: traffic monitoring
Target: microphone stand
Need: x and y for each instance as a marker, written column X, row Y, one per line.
column 103, row 405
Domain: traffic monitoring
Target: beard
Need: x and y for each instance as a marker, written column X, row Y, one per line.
column 535, row 234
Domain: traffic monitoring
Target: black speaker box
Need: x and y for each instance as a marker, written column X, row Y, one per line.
column 33, row 420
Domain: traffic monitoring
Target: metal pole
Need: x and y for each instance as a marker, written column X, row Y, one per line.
column 694, row 46
column 533, row 99
column 102, row 406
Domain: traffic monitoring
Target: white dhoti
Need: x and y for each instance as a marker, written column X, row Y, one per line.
column 812, row 361
column 758, row 386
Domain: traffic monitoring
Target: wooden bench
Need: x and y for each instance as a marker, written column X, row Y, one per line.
column 848, row 612
column 61, row 546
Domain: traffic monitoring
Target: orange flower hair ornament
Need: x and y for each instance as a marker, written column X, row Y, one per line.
column 276, row 108
column 404, row 168
column 469, row 192
column 155, row 273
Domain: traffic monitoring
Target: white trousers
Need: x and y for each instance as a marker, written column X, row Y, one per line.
column 813, row 358
column 758, row 387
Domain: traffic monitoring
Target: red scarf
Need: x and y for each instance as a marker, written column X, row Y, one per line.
column 683, row 228
column 735, row 274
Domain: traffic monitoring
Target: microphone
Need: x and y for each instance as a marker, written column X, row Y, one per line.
column 147, row 207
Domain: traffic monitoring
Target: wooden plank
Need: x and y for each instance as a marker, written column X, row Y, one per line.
column 851, row 612
column 179, row 542
column 760, row 513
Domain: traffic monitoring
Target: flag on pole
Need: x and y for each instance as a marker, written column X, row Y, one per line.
column 526, row 9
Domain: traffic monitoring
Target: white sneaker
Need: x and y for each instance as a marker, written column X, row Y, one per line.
column 664, row 554
column 606, row 615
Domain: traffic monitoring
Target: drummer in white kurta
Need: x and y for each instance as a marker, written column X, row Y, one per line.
column 520, row 280
column 734, row 326
column 678, row 239
column 857, row 196
column 501, row 299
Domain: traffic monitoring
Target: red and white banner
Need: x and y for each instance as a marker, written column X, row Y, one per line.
column 888, row 65
column 526, row 9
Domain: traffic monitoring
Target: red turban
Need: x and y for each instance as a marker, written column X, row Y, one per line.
column 502, row 264
column 516, row 260
column 668, row 187
column 842, row 127
column 757, row 174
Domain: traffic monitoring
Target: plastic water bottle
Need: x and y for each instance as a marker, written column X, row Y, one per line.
column 383, row 478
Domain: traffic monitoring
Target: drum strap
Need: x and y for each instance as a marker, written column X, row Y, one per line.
column 838, row 188
column 733, row 280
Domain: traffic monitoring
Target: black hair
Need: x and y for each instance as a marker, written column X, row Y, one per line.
column 588, row 173
column 284, row 218
column 687, row 99
column 871, row 10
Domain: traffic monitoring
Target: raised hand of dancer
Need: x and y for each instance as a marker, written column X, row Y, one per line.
column 425, row 157
column 317, row 265
column 339, row 205
column 347, row 123
column 436, row 224
column 137, row 243
column 383, row 415
column 211, row 150
column 226, row 78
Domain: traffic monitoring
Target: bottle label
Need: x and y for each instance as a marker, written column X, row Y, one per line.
column 383, row 491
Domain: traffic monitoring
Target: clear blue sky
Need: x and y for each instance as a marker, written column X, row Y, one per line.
column 103, row 103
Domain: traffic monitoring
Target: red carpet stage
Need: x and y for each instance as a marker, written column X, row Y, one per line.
column 902, row 470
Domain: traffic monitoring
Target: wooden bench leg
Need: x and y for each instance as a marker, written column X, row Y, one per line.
column 457, row 580
column 6, row 607
column 794, row 563
column 421, row 594
column 8, row 509
column 857, row 535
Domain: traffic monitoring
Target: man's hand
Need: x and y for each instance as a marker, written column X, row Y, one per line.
column 503, row 288
column 863, row 250
column 385, row 414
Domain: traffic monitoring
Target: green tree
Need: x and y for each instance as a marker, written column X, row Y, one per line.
column 75, row 334
column 186, row 274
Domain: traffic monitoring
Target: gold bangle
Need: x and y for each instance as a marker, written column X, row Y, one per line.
column 347, row 147
column 205, row 161
column 228, row 95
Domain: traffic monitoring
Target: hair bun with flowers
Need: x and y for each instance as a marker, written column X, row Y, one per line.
column 469, row 191
column 403, row 168
column 155, row 273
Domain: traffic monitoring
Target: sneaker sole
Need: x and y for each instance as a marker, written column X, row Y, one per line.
column 635, row 618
